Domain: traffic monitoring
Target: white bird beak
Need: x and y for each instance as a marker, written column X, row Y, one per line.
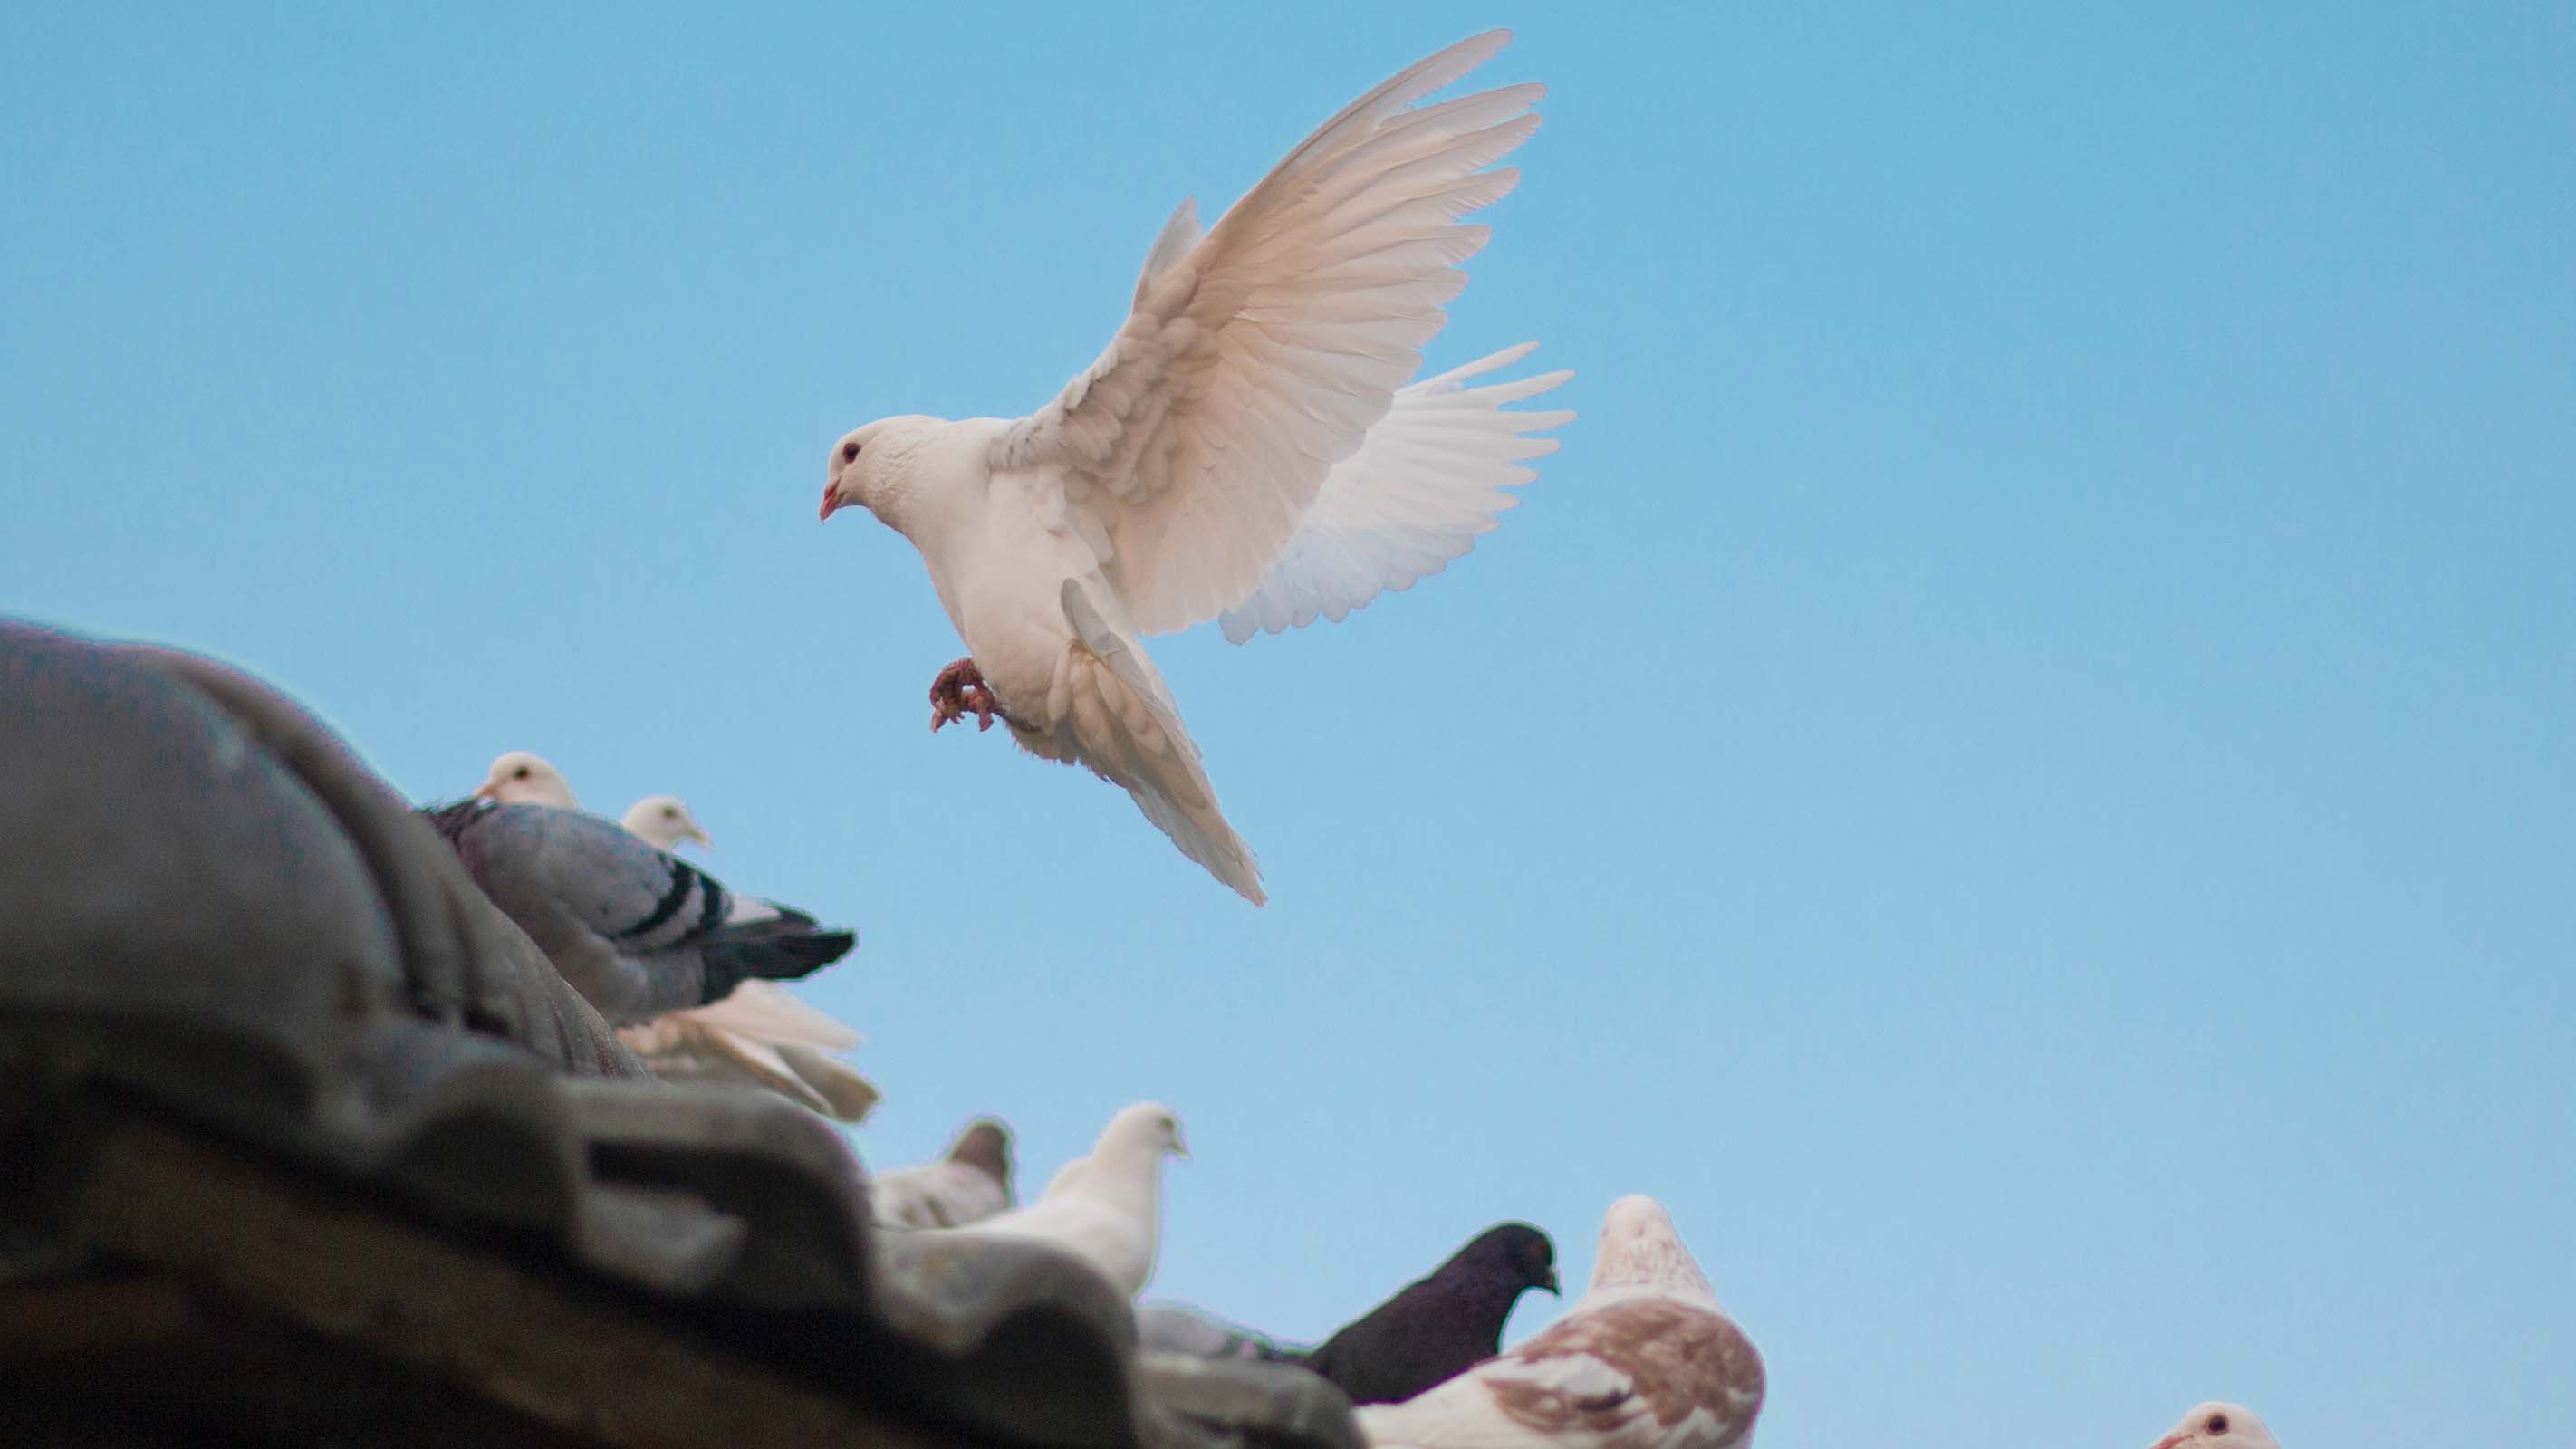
column 486, row 791
column 700, row 837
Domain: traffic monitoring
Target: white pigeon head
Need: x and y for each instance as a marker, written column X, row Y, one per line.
column 1639, row 1249
column 1146, row 1130
column 520, row 778
column 872, row 467
column 663, row 821
column 2219, row 1426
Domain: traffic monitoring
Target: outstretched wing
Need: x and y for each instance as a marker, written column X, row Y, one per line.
column 1257, row 356
column 1426, row 481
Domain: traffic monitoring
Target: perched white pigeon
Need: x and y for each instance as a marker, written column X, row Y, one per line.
column 1105, row 1208
column 2218, row 1426
column 665, row 821
column 971, row 1183
column 521, row 778
column 761, row 1034
column 1646, row 1360
column 1245, row 446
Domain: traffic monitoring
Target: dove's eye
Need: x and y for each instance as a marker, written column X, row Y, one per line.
column 849, row 452
column 2217, row 1424
column 520, row 773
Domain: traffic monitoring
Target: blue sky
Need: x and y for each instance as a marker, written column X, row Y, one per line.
column 2015, row 770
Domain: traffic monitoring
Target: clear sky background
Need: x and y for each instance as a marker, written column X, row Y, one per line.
column 2015, row 770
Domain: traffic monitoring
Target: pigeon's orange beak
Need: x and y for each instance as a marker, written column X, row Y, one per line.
column 2170, row 1440
column 830, row 505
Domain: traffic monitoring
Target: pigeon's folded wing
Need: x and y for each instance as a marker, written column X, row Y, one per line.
column 1574, row 1400
column 1426, row 481
column 1258, row 355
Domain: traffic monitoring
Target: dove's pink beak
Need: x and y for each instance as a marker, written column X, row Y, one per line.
column 831, row 505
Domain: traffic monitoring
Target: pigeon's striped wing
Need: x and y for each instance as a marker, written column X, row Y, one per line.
column 1259, row 355
column 1427, row 480
column 618, row 888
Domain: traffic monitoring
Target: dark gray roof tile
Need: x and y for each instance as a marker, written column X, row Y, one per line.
column 278, row 1069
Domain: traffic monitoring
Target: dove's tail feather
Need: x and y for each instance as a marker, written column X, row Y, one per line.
column 1127, row 730
column 765, row 951
column 765, row 1011
column 691, row 1046
column 1204, row 836
column 846, row 1091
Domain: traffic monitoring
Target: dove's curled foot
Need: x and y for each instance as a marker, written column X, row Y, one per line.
column 960, row 690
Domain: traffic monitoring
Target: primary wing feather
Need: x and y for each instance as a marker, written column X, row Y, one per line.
column 1425, row 483
column 1259, row 355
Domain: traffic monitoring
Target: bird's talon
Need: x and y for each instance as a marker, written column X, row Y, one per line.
column 960, row 690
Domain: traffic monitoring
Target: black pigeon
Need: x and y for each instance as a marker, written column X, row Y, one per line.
column 1443, row 1325
column 637, row 931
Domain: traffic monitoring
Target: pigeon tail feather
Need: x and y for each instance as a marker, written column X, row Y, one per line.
column 734, row 955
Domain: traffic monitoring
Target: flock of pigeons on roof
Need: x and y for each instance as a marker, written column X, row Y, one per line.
column 1247, row 448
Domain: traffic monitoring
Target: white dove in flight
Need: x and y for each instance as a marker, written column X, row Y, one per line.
column 1246, row 446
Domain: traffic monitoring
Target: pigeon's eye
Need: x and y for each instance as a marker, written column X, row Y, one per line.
column 2217, row 1424
column 849, row 452
column 520, row 773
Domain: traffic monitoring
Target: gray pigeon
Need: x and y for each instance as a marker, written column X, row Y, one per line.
column 637, row 931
